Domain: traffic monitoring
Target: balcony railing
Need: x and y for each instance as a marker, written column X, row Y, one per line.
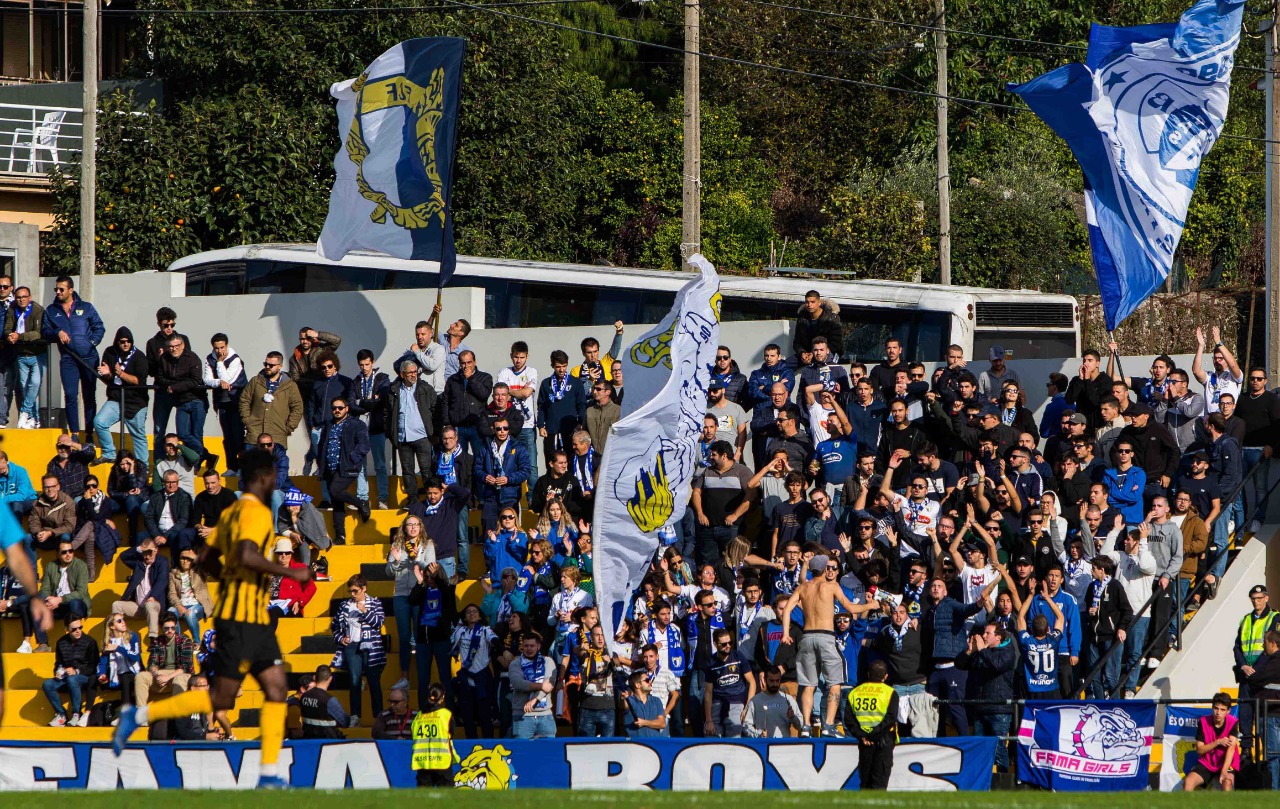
column 34, row 138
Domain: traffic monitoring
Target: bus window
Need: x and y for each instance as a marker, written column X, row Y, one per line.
column 543, row 305
column 933, row 335
column 654, row 306
column 923, row 335
column 274, row 276
column 1026, row 345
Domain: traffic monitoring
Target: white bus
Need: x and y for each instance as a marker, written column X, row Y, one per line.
column 926, row 318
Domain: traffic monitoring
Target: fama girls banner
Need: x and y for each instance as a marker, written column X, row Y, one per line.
column 937, row 765
column 1178, row 747
column 1086, row 746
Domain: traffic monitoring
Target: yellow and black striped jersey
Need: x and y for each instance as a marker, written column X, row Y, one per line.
column 245, row 594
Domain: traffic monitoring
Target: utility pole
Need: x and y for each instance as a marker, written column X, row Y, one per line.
column 691, row 233
column 944, row 163
column 88, row 156
column 1271, row 36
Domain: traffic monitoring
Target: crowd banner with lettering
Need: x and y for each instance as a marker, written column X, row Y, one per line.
column 1178, row 747
column 1086, row 746
column 937, row 765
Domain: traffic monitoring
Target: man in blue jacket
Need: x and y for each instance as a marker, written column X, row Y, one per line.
column 340, row 457
column 947, row 621
column 992, row 662
column 16, row 490
column 75, row 326
column 774, row 370
column 1072, row 633
column 562, row 408
column 500, row 471
column 1125, row 482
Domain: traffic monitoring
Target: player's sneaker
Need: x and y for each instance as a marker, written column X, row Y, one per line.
column 124, row 729
column 272, row 782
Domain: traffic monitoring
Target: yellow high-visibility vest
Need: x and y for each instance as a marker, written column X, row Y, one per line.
column 1251, row 632
column 870, row 703
column 432, row 743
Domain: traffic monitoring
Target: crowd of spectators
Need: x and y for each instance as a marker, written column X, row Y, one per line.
column 986, row 556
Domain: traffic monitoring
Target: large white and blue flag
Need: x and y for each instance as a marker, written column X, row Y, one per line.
column 398, row 122
column 1140, row 115
column 652, row 451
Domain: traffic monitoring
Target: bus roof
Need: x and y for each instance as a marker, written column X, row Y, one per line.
column 840, row 289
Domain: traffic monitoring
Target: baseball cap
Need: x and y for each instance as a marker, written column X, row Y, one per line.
column 716, row 384
column 1200, row 455
column 1022, row 560
column 991, row 410
column 1077, row 418
column 996, row 353
column 1138, row 409
column 818, row 563
column 1258, row 590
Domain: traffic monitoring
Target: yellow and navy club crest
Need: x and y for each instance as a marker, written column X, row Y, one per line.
column 425, row 108
column 486, row 769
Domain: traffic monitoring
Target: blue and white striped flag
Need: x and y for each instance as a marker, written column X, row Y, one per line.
column 1140, row 114
column 394, row 171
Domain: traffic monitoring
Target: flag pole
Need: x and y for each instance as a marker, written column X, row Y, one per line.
column 1111, row 338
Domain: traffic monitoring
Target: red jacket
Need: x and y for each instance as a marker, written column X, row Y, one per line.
column 293, row 591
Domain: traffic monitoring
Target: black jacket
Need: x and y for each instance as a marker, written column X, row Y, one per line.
column 904, row 663
column 353, row 449
column 1086, row 396
column 374, row 405
column 425, row 397
column 180, row 505
column 156, row 351
column 1157, row 451
column 826, row 324
column 159, row 577
column 135, row 398
column 465, row 399
column 992, row 674
column 185, row 375
column 1114, row 611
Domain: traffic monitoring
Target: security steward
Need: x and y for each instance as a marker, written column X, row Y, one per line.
column 871, row 716
column 433, row 753
column 1248, row 648
column 317, row 719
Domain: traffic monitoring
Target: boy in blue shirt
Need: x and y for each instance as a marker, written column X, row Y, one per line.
column 646, row 717
column 1040, row 647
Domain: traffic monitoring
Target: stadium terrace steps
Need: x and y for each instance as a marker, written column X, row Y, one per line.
column 306, row 641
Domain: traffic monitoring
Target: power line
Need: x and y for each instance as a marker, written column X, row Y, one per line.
column 213, row 12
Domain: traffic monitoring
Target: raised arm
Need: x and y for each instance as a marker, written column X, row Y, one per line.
column 1232, row 365
column 1197, row 367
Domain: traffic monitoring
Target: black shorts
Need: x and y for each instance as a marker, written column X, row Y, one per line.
column 241, row 648
column 1204, row 773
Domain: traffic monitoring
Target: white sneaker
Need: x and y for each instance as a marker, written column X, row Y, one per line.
column 24, row 421
column 84, row 720
column 74, row 721
column 402, row 683
column 25, row 648
column 58, row 721
column 355, row 721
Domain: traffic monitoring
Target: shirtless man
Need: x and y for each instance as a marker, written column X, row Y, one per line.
column 817, row 652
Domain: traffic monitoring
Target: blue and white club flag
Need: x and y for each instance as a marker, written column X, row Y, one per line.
column 652, row 450
column 394, row 171
column 1095, row 746
column 1140, row 114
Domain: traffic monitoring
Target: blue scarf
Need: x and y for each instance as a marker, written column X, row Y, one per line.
column 691, row 628
column 558, row 392
column 675, row 652
column 584, row 470
column 535, row 671
column 445, row 467
column 473, row 646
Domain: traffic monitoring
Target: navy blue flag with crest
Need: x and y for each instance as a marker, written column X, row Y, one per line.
column 1139, row 115
column 398, row 122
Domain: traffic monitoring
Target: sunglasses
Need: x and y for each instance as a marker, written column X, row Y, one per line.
column 1124, row 452
column 502, row 429
column 77, row 627
column 67, row 552
column 707, row 604
column 1036, row 522
column 338, row 408
column 170, row 446
column 507, row 517
column 266, row 446
column 328, row 366
column 91, row 485
column 168, row 324
column 270, row 365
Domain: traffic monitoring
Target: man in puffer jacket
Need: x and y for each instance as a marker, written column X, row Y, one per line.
column 817, row 316
column 75, row 326
column 992, row 663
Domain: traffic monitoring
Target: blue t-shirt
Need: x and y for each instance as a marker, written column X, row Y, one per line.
column 10, row 531
column 838, row 457
column 651, row 708
column 1040, row 661
column 728, row 677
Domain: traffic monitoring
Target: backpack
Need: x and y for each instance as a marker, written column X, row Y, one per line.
column 320, row 568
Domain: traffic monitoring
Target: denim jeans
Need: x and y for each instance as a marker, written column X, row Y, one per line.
column 109, row 416
column 79, row 381
column 995, row 724
column 190, row 425
column 441, row 652
column 596, row 722
column 357, row 661
column 31, row 371
column 1271, row 753
column 74, row 684
column 311, row 461
column 192, row 620
column 131, row 506
column 529, row 437
column 1256, row 489
column 232, row 433
column 533, row 727
column 1133, row 649
column 710, row 542
column 469, row 438
column 378, row 451
column 8, row 384
column 406, row 619
column 1216, row 558
column 160, row 411
column 1108, row 678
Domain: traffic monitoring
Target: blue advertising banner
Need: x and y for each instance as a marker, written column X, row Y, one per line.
column 1086, row 746
column 1178, row 745
column 939, row 765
